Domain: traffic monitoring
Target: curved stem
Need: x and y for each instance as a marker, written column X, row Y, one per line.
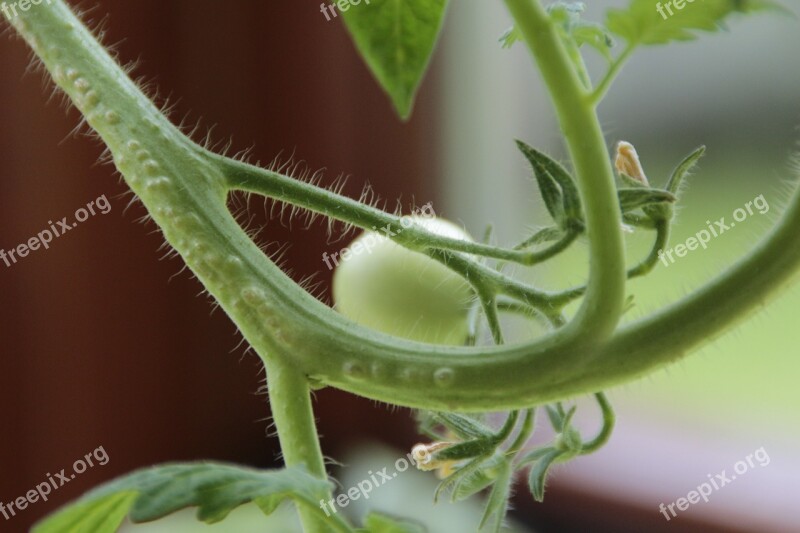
column 697, row 319
column 184, row 190
column 605, row 431
column 605, row 295
column 662, row 229
column 556, row 248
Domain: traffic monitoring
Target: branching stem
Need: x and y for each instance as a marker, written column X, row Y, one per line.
column 184, row 188
column 602, row 307
column 605, row 84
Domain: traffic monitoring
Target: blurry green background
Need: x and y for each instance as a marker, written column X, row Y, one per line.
column 735, row 92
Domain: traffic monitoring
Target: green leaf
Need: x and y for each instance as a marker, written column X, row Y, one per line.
column 150, row 494
column 511, row 36
column 631, row 199
column 462, row 473
column 104, row 514
column 479, row 447
column 683, row 170
column 535, row 455
column 569, row 441
column 466, row 450
column 497, row 503
column 566, row 208
column 396, row 38
column 557, row 416
column 547, row 234
column 630, row 182
column 566, row 13
column 538, row 473
column 643, row 23
column 594, row 35
column 378, row 523
column 663, row 211
column 551, row 193
column 480, row 478
column 464, row 426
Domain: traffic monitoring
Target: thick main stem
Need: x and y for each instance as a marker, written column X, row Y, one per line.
column 185, row 194
column 184, row 189
column 602, row 307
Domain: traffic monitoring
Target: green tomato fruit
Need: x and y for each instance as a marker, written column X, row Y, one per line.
column 389, row 288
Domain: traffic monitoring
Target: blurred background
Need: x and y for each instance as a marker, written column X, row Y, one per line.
column 102, row 344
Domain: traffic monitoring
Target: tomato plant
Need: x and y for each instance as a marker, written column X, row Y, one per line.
column 423, row 281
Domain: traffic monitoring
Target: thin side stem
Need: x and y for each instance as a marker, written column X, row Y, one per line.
column 549, row 233
column 244, row 177
column 290, row 400
column 662, row 228
column 606, row 430
column 555, row 248
column 489, row 305
column 485, row 279
column 525, row 432
column 605, row 84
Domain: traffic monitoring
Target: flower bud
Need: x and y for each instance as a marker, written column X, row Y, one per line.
column 627, row 162
column 423, row 455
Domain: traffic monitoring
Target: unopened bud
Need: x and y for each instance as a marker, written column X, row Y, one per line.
column 423, row 455
column 628, row 163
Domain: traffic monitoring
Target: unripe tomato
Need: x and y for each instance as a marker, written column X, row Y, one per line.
column 384, row 286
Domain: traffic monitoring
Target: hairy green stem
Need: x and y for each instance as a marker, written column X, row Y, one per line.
column 488, row 279
column 244, row 177
column 489, row 304
column 184, row 190
column 185, row 195
column 290, row 400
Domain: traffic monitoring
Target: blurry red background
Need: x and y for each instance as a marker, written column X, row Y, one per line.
column 98, row 346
